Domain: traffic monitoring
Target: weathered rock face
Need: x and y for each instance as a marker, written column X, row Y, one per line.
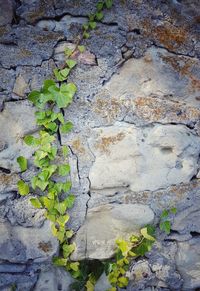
column 187, row 260
column 94, row 242
column 143, row 159
column 135, row 146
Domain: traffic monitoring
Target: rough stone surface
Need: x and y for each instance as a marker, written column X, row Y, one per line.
column 135, row 139
column 16, row 120
column 113, row 221
column 187, row 260
column 143, row 159
column 19, row 244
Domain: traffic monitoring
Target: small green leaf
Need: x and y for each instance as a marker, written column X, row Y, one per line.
column 165, row 213
column 35, row 202
column 85, row 26
column 23, row 188
column 22, row 163
column 86, row 35
column 92, row 24
column 60, row 262
column 68, row 52
column 34, row 96
column 91, row 17
column 48, row 203
column 145, row 234
column 61, row 207
column 165, row 226
column 99, row 15
column 74, row 266
column 31, row 140
column 71, row 63
column 67, row 127
column 81, row 48
column 124, row 281
column 60, row 77
column 65, row 151
column 70, row 201
column 63, row 170
column 68, row 249
column 108, row 3
column 173, row 210
column 66, row 186
column 62, row 220
column 100, row 5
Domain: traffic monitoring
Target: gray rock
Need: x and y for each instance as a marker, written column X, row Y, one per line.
column 6, row 8
column 24, row 282
column 19, row 244
column 187, row 220
column 12, row 268
column 16, row 121
column 187, row 260
column 33, row 46
column 159, row 73
column 143, row 159
column 113, row 221
column 22, row 212
column 53, row 279
column 102, row 283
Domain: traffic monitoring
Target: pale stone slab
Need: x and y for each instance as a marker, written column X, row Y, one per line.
column 143, row 158
column 104, row 224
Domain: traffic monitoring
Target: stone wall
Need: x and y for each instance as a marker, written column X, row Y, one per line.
column 134, row 150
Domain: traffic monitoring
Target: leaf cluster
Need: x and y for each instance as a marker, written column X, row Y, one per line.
column 165, row 223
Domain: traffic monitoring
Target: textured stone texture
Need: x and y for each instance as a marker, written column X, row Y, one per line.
column 19, row 244
column 113, row 221
column 143, row 159
column 135, row 138
column 187, row 260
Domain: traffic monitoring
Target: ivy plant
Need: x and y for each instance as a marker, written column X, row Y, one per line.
column 56, row 197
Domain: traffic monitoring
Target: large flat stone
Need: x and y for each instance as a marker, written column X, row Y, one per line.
column 187, row 260
column 16, row 121
column 104, row 224
column 160, row 73
column 19, row 244
column 143, row 158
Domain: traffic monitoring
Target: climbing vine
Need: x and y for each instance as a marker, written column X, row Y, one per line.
column 55, row 196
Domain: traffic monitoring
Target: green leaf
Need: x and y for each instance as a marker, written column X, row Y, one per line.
column 22, row 163
column 165, row 213
column 74, row 266
column 100, row 5
column 124, row 281
column 70, row 201
column 58, row 75
column 71, row 63
column 48, row 83
column 123, row 245
column 48, row 203
column 173, row 210
column 108, row 3
column 69, row 234
column 85, row 26
column 63, row 170
column 68, row 249
column 67, row 127
column 145, row 234
column 52, row 126
column 34, row 96
column 66, row 186
column 31, row 140
column 35, row 202
column 68, row 52
column 60, row 262
column 61, row 206
column 65, row 151
column 86, row 35
column 42, row 184
column 99, row 15
column 165, row 226
column 65, row 72
column 91, row 17
column 62, row 220
column 81, row 48
column 92, row 24
column 60, row 117
column 23, row 188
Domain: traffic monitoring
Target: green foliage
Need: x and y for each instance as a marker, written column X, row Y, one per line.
column 165, row 223
column 23, row 188
column 126, row 251
column 22, row 163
